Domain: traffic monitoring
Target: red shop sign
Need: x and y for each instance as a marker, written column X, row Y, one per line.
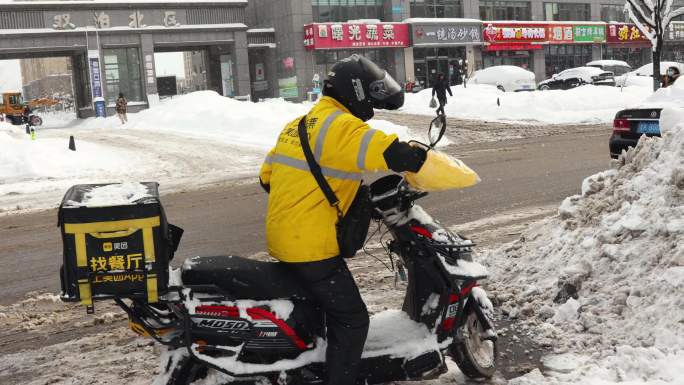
column 560, row 33
column 625, row 33
column 513, row 47
column 514, row 33
column 352, row 35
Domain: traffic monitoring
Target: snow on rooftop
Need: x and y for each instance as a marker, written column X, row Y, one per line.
column 261, row 30
column 608, row 62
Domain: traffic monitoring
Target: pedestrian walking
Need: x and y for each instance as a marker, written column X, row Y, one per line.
column 441, row 87
column 121, row 108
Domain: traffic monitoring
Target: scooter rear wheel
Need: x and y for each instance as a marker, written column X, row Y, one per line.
column 475, row 356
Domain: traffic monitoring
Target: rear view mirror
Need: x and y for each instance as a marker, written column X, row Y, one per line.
column 436, row 130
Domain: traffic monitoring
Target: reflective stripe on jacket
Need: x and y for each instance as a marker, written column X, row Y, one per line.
column 300, row 224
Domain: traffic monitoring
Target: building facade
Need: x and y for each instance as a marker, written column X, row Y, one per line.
column 46, row 78
column 545, row 37
column 111, row 45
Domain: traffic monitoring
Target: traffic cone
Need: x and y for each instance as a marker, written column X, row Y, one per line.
column 33, row 134
column 72, row 143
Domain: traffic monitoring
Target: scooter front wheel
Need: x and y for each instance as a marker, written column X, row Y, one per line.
column 474, row 355
column 186, row 371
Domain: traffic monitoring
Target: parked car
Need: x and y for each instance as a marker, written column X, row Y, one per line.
column 505, row 78
column 630, row 124
column 643, row 76
column 617, row 67
column 575, row 77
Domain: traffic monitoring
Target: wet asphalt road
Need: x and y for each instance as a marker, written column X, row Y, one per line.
column 542, row 168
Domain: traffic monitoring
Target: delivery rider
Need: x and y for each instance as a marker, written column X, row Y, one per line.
column 300, row 224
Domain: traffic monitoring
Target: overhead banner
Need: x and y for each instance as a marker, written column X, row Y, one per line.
column 625, row 34
column 495, row 33
column 675, row 31
column 445, row 33
column 355, row 35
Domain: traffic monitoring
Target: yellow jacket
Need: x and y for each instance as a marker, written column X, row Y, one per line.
column 300, row 224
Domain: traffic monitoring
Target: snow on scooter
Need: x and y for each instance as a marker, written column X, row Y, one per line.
column 244, row 321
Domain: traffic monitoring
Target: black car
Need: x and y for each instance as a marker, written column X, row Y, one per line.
column 630, row 124
column 575, row 77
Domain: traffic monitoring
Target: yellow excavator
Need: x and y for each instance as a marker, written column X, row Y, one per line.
column 17, row 112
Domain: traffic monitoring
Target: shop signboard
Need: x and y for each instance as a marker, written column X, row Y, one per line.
column 560, row 33
column 355, row 35
column 446, row 33
column 625, row 33
column 675, row 31
column 514, row 33
column 589, row 33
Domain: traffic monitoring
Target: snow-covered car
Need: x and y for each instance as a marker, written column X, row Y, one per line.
column 630, row 124
column 575, row 77
column 643, row 76
column 505, row 78
column 617, row 67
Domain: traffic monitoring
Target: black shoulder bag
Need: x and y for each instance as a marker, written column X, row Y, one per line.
column 352, row 228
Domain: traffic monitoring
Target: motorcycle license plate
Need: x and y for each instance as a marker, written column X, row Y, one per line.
column 452, row 310
column 648, row 128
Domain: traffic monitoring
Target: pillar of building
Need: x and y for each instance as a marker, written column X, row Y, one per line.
column 537, row 10
column 474, row 58
column 240, row 58
column 596, row 52
column 271, row 76
column 471, row 9
column 149, row 77
column 408, row 64
column 595, row 9
column 539, row 64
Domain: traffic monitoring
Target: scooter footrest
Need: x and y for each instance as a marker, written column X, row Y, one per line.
column 417, row 367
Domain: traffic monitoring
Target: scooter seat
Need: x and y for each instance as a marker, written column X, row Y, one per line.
column 243, row 278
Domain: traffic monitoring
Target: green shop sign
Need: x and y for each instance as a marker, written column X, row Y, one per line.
column 589, row 33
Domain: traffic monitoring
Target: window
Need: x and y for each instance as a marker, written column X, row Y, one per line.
column 613, row 12
column 342, row 10
column 436, row 8
column 122, row 74
column 562, row 57
column 504, row 10
column 567, row 11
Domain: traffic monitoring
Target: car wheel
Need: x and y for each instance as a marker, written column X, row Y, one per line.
column 544, row 87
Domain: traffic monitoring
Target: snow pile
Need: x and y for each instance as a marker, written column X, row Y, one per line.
column 188, row 141
column 586, row 104
column 605, row 277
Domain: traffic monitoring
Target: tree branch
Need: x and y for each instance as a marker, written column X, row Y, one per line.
column 631, row 6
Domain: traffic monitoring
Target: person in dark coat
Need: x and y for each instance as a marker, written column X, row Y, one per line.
column 441, row 87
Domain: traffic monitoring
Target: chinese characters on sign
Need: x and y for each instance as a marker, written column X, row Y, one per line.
column 116, row 263
column 354, row 35
column 102, row 20
column 62, row 21
column 447, row 34
column 675, row 31
column 514, row 33
column 560, row 34
column 625, row 33
column 590, row 33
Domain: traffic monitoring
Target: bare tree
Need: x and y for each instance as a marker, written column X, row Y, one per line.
column 653, row 17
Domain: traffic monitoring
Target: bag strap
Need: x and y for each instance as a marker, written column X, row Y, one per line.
column 315, row 168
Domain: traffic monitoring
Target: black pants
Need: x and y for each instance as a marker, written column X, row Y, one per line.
column 333, row 287
column 442, row 102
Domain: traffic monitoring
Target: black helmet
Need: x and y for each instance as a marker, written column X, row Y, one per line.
column 360, row 85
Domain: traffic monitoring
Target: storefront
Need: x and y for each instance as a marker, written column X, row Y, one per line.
column 513, row 43
column 572, row 45
column 384, row 43
column 625, row 42
column 673, row 49
column 443, row 46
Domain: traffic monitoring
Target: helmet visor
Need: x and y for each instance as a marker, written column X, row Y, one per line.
column 384, row 88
